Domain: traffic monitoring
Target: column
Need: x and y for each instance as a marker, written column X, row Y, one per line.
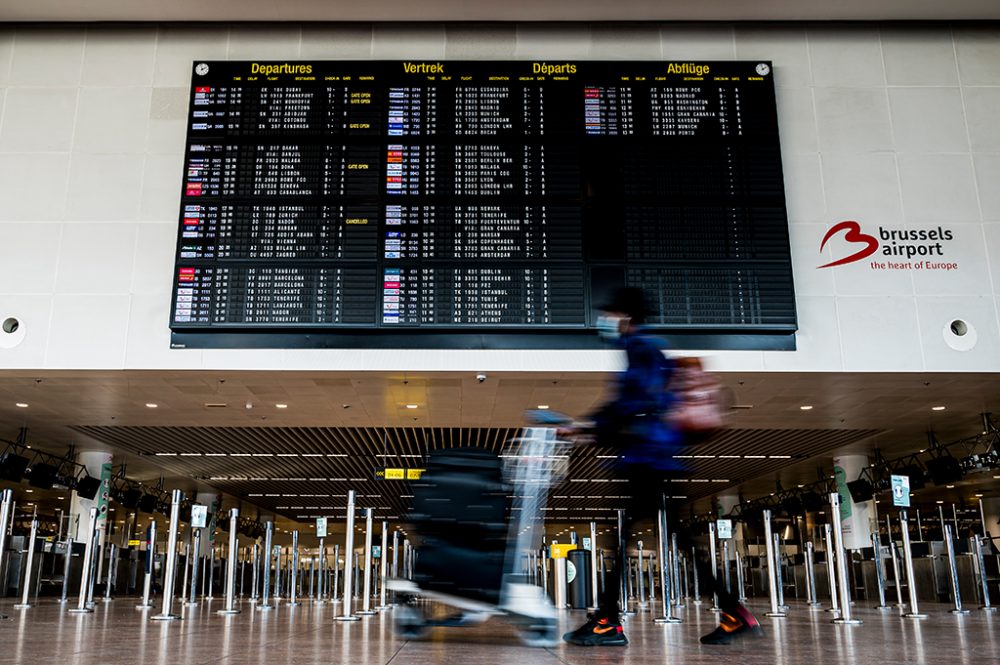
column 98, row 465
column 856, row 518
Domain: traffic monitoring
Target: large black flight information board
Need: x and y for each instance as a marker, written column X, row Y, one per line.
column 479, row 204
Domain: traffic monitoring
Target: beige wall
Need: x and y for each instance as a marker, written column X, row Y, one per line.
column 891, row 126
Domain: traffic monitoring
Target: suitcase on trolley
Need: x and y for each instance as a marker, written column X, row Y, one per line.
column 474, row 515
column 460, row 511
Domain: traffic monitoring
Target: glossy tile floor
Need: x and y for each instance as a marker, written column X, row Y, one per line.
column 116, row 633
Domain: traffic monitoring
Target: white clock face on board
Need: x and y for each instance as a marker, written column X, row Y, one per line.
column 201, row 69
column 763, row 69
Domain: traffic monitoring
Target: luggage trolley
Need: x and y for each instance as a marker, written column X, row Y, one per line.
column 531, row 464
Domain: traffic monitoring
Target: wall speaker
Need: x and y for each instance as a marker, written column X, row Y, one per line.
column 147, row 503
column 812, row 502
column 86, row 487
column 12, row 467
column 43, row 476
column 944, row 470
column 861, row 490
column 918, row 479
column 130, row 498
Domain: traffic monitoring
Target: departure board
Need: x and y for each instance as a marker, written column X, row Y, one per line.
column 348, row 203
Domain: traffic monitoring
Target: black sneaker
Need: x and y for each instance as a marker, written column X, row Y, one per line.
column 602, row 632
column 732, row 628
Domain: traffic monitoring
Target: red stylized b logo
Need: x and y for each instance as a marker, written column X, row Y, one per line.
column 853, row 234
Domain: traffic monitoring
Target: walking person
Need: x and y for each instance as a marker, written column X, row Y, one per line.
column 635, row 422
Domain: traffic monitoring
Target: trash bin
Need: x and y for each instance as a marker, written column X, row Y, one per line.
column 578, row 579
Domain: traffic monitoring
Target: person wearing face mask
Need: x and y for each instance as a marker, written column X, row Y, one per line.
column 635, row 422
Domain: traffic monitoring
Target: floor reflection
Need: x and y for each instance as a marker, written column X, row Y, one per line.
column 116, row 633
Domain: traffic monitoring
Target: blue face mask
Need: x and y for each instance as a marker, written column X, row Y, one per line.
column 609, row 327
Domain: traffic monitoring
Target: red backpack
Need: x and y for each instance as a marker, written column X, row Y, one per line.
column 698, row 398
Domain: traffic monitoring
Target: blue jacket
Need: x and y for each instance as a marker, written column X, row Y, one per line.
column 633, row 420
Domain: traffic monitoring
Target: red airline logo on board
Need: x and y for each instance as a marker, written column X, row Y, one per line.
column 897, row 247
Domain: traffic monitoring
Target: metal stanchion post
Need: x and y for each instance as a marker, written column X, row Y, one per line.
column 714, row 566
column 879, row 571
column 811, row 578
column 956, row 593
column 831, row 569
column 838, row 541
column 384, row 567
column 694, row 569
column 920, row 528
column 187, row 572
column 109, row 580
column 147, row 582
column 254, row 572
column 904, row 527
column 277, row 573
column 358, row 576
column 348, row 568
column 895, row 573
column 771, row 573
column 170, row 573
column 195, row 560
column 593, row 567
column 545, row 571
column 740, row 586
column 622, row 563
column 335, row 575
column 294, row 579
column 986, row 607
column 243, row 572
column 268, row 551
column 230, row 608
column 663, row 540
column 6, row 513
column 81, row 607
column 211, row 572
column 675, row 586
column 725, row 566
column 686, row 589
column 67, row 563
column 640, row 583
column 650, row 573
column 94, row 560
column 320, row 593
column 982, row 519
column 779, row 573
column 24, row 604
column 366, row 607
column 895, row 564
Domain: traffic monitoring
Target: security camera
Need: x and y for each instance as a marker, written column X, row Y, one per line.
column 480, row 377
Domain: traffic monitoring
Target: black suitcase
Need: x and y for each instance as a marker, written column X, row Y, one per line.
column 460, row 513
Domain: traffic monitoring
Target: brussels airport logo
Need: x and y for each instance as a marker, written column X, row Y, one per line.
column 892, row 249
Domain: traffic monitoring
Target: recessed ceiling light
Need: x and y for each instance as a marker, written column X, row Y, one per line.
column 937, row 408
column 411, row 406
column 939, row 502
column 150, row 405
column 979, row 496
column 950, row 487
column 21, row 405
column 543, row 406
column 29, row 491
column 281, row 406
column 806, row 407
column 60, row 497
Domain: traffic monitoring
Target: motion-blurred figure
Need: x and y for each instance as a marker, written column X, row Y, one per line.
column 639, row 422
